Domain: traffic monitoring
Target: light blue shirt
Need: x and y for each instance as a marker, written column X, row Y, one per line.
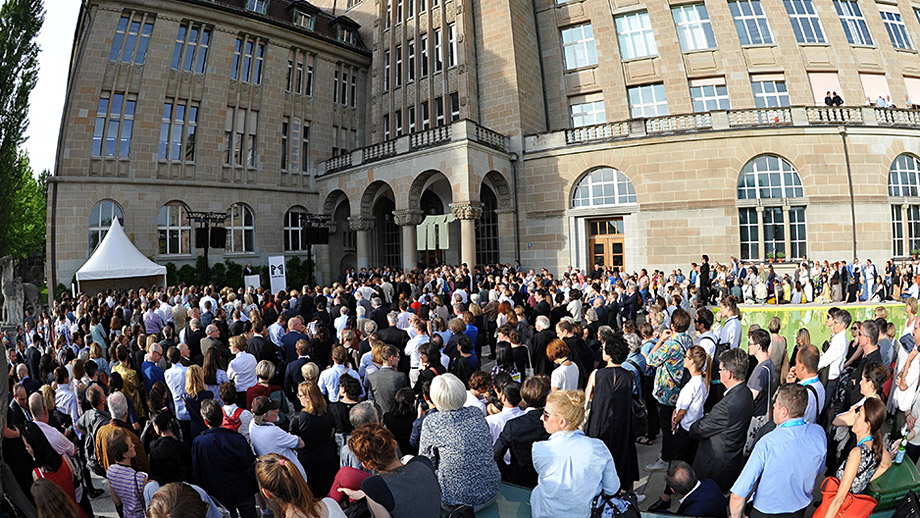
column 784, row 466
column 329, row 381
column 175, row 380
column 572, row 470
column 730, row 333
column 275, row 332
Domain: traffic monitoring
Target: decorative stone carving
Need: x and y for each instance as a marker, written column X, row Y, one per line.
column 466, row 210
column 360, row 224
column 333, row 226
column 12, row 293
column 408, row 217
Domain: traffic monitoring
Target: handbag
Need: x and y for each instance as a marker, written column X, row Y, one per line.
column 909, row 508
column 639, row 410
column 608, row 506
column 854, row 506
column 528, row 371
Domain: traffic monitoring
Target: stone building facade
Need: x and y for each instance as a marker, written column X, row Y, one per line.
column 632, row 132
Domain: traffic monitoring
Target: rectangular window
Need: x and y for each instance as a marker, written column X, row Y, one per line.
column 774, row 231
column 290, row 76
column 411, row 112
column 423, row 55
column 805, row 22
column 439, row 111
column 694, row 29
column 398, row 51
column 587, row 110
column 897, row 231
column 426, row 121
column 309, row 87
column 178, row 129
column 114, row 125
column 237, row 54
column 578, row 47
column 257, row 6
column 797, row 239
column 452, row 44
column 285, row 128
column 750, row 22
column 422, row 5
column 386, row 127
column 854, row 25
column 305, row 148
column 398, row 117
column 635, row 34
column 352, row 3
column 913, row 227
column 410, row 8
column 248, row 57
column 435, row 3
column 132, row 35
column 344, row 95
column 454, row 106
column 709, row 97
column 770, row 94
column 302, row 19
column 895, row 27
column 410, row 61
column 438, row 62
column 298, row 78
column 750, row 234
column 354, row 90
column 335, row 86
column 388, row 15
column 241, row 137
column 190, row 52
column 647, row 101
column 399, row 11
column 386, row 70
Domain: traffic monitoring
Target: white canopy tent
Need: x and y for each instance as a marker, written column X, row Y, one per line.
column 117, row 263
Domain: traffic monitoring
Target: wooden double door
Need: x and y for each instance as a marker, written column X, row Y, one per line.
column 606, row 242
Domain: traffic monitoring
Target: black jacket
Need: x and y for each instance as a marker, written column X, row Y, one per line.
column 538, row 343
column 224, row 466
column 262, row 349
column 707, row 500
column 518, row 435
column 722, row 434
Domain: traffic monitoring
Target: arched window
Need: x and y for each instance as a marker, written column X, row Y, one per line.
column 775, row 223
column 100, row 219
column 603, row 187
column 904, row 193
column 240, row 229
column 293, row 231
column 174, row 229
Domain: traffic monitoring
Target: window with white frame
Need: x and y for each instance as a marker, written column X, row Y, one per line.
column 770, row 93
column 344, row 87
column 335, row 86
column 775, row 185
column 190, row 52
column 304, row 20
column 293, row 230
column 305, row 147
column 100, row 220
column 903, row 177
column 805, row 22
column 114, row 125
column 587, row 110
column 897, row 231
column 398, row 51
column 386, row 70
column 354, row 88
column 397, row 117
column 240, row 137
column 423, row 55
column 410, row 61
column 709, row 96
column 426, row 120
column 248, row 56
column 285, row 150
column 178, row 130
column 452, row 44
column 257, row 6
column 438, row 60
column 454, row 106
column 439, row 111
column 411, row 114
column 904, row 196
column 854, row 25
column 750, row 22
column 895, row 27
column 132, row 35
column 603, row 187
column 635, row 34
column 240, row 224
column 174, row 230
column 388, row 15
column 399, row 11
column 410, row 8
column 647, row 101
column 578, row 47
column 694, row 30
column 386, row 126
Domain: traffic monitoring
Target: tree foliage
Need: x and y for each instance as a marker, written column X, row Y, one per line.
column 20, row 22
column 26, row 222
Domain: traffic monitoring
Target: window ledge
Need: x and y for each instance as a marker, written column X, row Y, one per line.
column 174, row 257
column 698, row 51
column 581, row 69
column 855, row 46
column 238, row 254
column 640, row 58
column 815, row 44
column 906, row 51
column 759, row 46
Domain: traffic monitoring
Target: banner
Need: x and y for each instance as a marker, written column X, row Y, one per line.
column 276, row 273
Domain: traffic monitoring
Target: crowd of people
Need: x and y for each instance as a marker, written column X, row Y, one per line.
column 374, row 396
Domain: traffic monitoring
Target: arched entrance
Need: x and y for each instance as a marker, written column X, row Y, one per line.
column 491, row 230
column 438, row 234
column 342, row 240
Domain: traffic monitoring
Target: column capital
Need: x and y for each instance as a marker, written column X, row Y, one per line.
column 466, row 210
column 408, row 217
column 360, row 223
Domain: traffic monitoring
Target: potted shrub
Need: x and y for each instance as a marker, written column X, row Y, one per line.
column 770, row 256
column 915, row 252
column 781, row 256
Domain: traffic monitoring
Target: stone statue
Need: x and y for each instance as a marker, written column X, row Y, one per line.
column 11, row 288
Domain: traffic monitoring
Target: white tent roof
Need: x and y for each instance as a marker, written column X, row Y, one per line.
column 117, row 258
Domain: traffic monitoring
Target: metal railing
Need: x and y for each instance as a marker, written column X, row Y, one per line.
column 597, row 132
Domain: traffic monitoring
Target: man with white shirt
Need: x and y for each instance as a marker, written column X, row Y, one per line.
column 412, row 349
column 64, row 398
column 341, row 322
column 806, row 372
column 165, row 310
column 836, row 353
column 511, row 401
column 207, row 297
column 175, row 380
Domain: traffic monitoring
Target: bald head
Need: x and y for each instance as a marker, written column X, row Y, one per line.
column 22, row 371
column 37, row 407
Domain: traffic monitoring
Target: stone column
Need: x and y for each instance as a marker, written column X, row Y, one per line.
column 786, row 232
column 467, row 212
column 506, row 235
column 362, row 226
column 408, row 221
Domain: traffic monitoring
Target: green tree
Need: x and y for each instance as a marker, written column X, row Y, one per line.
column 20, row 22
column 26, row 221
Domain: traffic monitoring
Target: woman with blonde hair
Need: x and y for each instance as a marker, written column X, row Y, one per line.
column 316, row 427
column 95, row 354
column 287, row 493
column 571, row 468
column 196, row 394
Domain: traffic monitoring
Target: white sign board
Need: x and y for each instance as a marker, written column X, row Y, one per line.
column 276, row 273
column 252, row 280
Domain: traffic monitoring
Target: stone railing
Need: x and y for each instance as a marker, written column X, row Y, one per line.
column 428, row 138
column 897, row 117
column 337, row 163
column 673, row 123
column 379, row 151
column 760, row 117
column 597, row 132
column 490, row 138
column 834, row 115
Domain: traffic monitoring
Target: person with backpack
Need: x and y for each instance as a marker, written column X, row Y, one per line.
column 235, row 418
column 223, row 463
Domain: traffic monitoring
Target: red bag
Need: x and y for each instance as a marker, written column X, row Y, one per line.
column 854, row 506
column 232, row 422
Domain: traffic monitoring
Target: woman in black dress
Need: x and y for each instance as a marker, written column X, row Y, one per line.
column 400, row 418
column 610, row 391
column 317, row 429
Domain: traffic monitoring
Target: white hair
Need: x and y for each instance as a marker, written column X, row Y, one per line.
column 118, row 405
column 448, row 392
column 542, row 323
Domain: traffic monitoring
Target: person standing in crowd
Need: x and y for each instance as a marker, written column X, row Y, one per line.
column 805, row 372
column 784, row 463
column 125, row 482
column 316, row 428
column 835, row 355
column 520, row 433
column 283, row 487
column 266, row 437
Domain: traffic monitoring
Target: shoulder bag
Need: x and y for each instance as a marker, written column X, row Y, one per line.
column 854, row 506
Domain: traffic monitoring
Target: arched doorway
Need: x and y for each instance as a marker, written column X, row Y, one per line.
column 487, row 228
column 438, row 233
column 342, row 240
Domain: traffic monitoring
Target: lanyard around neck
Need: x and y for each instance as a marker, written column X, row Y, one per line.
column 793, row 422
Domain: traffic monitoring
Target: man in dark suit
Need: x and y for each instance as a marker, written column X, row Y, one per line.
column 520, row 433
column 393, row 335
column 379, row 313
column 19, row 407
column 723, row 431
column 33, row 357
column 538, row 343
column 289, row 340
column 29, row 383
column 259, row 346
column 705, row 281
column 383, row 384
column 213, row 340
column 542, row 308
column 193, row 340
column 237, row 327
column 698, row 497
column 292, row 375
column 630, row 304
